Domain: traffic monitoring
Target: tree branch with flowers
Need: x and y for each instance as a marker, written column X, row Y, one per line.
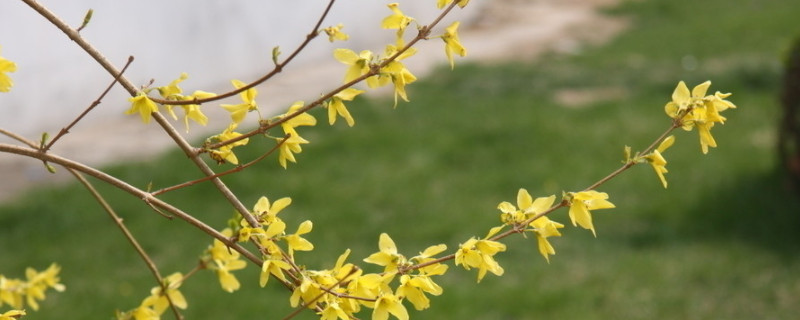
column 259, row 236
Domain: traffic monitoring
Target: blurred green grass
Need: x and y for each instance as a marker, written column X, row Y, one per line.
column 719, row 243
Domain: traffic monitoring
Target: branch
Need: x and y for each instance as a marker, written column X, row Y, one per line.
column 278, row 68
column 235, row 169
column 65, row 130
column 128, row 235
column 132, row 90
column 124, row 186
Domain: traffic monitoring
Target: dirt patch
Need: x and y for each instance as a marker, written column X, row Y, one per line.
column 504, row 30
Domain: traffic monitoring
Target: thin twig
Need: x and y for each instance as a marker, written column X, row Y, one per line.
column 277, row 69
column 128, row 235
column 132, row 90
column 233, row 170
column 19, row 138
column 94, row 104
column 136, row 192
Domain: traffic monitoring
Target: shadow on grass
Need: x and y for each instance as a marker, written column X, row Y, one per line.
column 760, row 210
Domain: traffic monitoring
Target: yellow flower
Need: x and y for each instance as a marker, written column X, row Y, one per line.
column 452, row 44
column 335, row 33
column 142, row 104
column 527, row 207
column 224, row 260
column 268, row 212
column 581, row 202
column 425, row 256
column 289, row 148
column 359, row 63
column 396, row 72
column 191, row 111
column 296, row 242
column 389, row 304
column 11, row 292
column 158, row 299
column 441, row 3
column 12, row 315
column 480, row 254
column 544, row 228
column 336, row 106
column 292, row 145
column 225, row 153
column 695, row 109
column 273, row 267
column 239, row 111
column 172, row 91
column 387, row 256
column 414, row 287
column 5, row 81
column 38, row 282
column 657, row 160
column 397, row 20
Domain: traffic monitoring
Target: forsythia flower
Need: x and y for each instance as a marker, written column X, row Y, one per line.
column 296, row 242
column 397, row 20
column 224, row 260
column 387, row 256
column 142, row 104
column 441, row 3
column 239, row 111
column 657, row 160
column 389, row 304
column 145, row 311
column 397, row 72
column 336, row 106
column 5, row 81
column 17, row 292
column 695, row 109
column 581, row 202
column 267, row 212
column 359, row 63
column 335, row 33
column 527, row 207
column 12, row 315
column 543, row 227
column 158, row 299
column 452, row 44
column 191, row 111
column 273, row 267
column 292, row 145
column 225, row 153
column 480, row 254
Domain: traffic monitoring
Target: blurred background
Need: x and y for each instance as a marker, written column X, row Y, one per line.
column 551, row 94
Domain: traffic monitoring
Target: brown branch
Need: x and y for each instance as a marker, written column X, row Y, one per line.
column 124, row 186
column 233, row 170
column 19, row 138
column 277, row 69
column 132, row 90
column 128, row 235
column 94, row 104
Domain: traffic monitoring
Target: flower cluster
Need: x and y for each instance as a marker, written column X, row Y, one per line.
column 698, row 110
column 172, row 92
column 18, row 292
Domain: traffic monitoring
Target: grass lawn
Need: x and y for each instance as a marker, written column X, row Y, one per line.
column 719, row 243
